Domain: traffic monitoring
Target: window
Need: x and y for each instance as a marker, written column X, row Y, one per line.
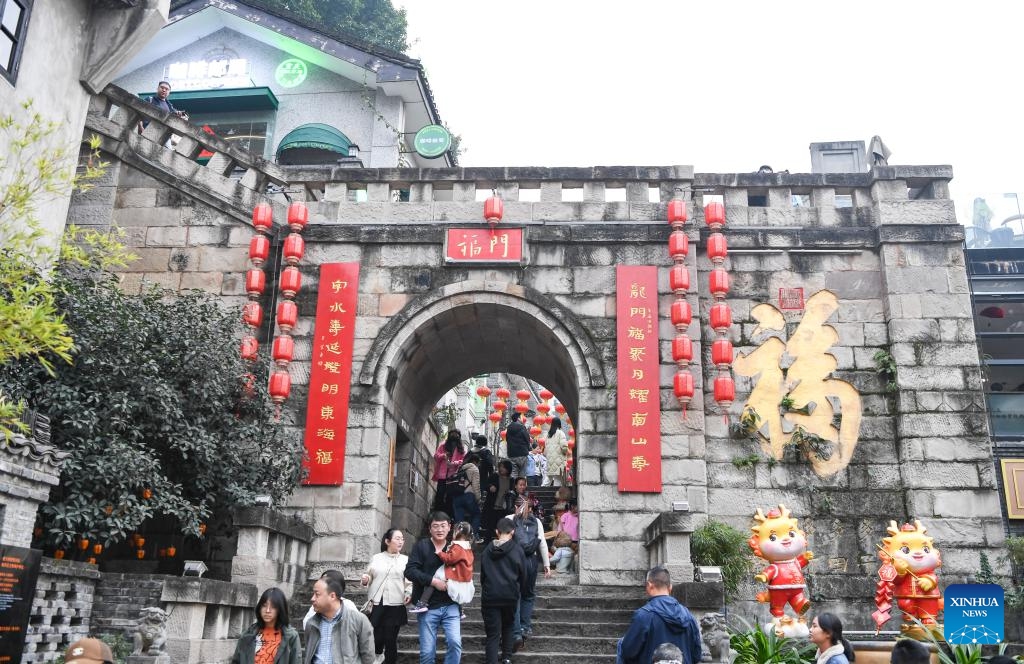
column 13, row 26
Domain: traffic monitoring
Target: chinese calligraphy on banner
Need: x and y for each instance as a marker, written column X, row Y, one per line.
column 331, row 374
column 639, row 406
column 482, row 245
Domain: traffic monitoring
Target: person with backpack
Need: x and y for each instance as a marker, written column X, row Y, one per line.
column 502, row 577
column 465, row 492
column 529, row 533
column 485, row 458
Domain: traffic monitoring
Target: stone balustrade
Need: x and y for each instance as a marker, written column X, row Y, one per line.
column 205, row 617
column 272, row 549
column 621, row 193
column 180, row 154
column 667, row 540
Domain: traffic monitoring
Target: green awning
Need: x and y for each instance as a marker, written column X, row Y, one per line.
column 315, row 135
column 224, row 100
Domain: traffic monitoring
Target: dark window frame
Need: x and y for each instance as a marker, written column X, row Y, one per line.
column 19, row 39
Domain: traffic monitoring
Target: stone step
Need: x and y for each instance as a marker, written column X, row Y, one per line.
column 474, row 625
column 565, row 615
column 476, row 656
column 575, row 645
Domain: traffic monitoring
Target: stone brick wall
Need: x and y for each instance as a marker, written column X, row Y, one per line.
column 119, row 598
column 27, row 472
column 62, row 610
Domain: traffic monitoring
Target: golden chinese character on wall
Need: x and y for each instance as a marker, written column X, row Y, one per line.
column 795, row 401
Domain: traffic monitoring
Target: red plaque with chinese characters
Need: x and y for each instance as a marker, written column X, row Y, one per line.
column 331, row 373
column 639, row 405
column 483, row 245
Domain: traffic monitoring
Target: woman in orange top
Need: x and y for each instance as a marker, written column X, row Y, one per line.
column 270, row 640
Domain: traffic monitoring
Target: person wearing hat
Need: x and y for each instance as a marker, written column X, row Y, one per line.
column 89, row 651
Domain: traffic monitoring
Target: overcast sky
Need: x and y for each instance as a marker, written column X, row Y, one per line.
column 728, row 86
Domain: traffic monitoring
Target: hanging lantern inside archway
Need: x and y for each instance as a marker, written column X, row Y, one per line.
column 546, row 394
column 560, row 409
column 521, row 407
column 499, row 405
column 535, row 430
column 543, row 408
column 483, row 391
column 502, row 393
column 503, row 434
column 494, row 418
column 523, row 395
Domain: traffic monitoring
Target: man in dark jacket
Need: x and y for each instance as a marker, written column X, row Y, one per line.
column 661, row 620
column 517, row 439
column 442, row 611
column 502, row 579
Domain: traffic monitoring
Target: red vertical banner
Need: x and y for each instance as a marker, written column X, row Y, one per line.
column 331, row 374
column 639, row 404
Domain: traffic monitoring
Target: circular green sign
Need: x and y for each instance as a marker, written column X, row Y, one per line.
column 291, row 72
column 432, row 141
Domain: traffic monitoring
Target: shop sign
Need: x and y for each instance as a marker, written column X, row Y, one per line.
column 19, row 570
column 331, row 374
column 432, row 141
column 639, row 403
column 482, row 245
column 209, row 74
column 291, row 73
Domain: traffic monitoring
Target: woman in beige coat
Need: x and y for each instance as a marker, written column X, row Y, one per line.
column 389, row 591
column 555, row 450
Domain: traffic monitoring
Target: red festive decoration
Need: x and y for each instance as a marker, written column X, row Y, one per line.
column 280, row 386
column 263, row 218
column 250, row 348
column 252, row 314
column 494, row 208
column 521, row 407
column 719, row 283
column 543, row 408
column 682, row 350
column 298, row 216
column 721, row 353
column 681, row 314
column 725, row 391
column 287, row 315
column 255, row 283
column 535, row 430
column 499, row 405
column 721, row 318
column 546, row 394
column 483, row 391
column 676, row 212
column 560, row 409
column 502, row 393
column 494, row 417
column 714, row 215
column 523, row 395
column 503, row 434
column 291, row 281
column 284, row 348
column 294, row 248
column 259, row 249
column 678, row 246
column 717, row 248
column 679, row 279
column 571, row 444
column 682, row 386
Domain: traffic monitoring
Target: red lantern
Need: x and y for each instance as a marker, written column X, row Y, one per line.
column 721, row 353
column 571, row 432
column 541, row 420
column 676, row 212
column 523, row 395
column 535, row 430
column 725, row 391
column 560, row 409
column 571, row 444
column 298, row 216
column 499, row 405
column 252, row 314
column 255, row 282
column 284, row 348
column 679, row 279
column 543, row 408
column 682, row 385
column 287, row 315
column 682, row 350
column 502, row 393
column 280, row 386
column 494, row 417
column 522, row 407
column 263, row 218
column 546, row 394
column 294, row 248
column 503, row 434
column 483, row 391
column 678, row 246
column 259, row 249
column 714, row 215
column 250, row 348
column 717, row 248
column 682, row 314
column 719, row 283
column 494, row 208
column 291, row 281
column 721, row 318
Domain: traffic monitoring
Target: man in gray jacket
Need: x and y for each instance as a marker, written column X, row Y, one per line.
column 337, row 634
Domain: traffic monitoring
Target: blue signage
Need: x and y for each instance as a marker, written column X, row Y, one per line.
column 974, row 613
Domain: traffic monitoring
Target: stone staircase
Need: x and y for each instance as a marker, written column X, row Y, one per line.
column 571, row 623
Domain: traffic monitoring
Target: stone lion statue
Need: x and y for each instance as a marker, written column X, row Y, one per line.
column 151, row 634
column 716, row 637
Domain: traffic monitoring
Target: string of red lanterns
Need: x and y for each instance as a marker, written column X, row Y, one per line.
column 720, row 314
column 681, row 313
column 293, row 250
column 255, row 285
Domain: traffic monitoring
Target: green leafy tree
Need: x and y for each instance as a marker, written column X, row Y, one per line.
column 35, row 168
column 719, row 544
column 153, row 412
column 373, row 21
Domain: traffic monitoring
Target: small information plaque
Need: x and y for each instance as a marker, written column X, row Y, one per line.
column 19, row 570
